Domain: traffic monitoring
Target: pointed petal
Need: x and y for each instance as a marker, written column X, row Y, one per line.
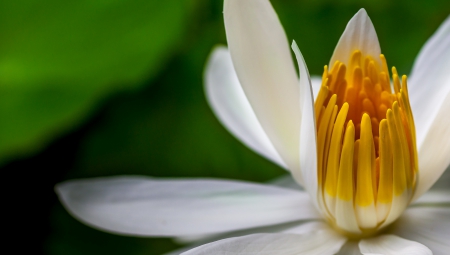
column 429, row 89
column 307, row 174
column 392, row 245
column 427, row 225
column 358, row 35
column 274, row 244
column 229, row 103
column 173, row 207
column 429, row 83
column 435, row 150
column 263, row 63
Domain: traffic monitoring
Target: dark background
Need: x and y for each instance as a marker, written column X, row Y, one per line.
column 97, row 88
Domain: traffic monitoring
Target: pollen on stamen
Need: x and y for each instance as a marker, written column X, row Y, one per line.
column 367, row 156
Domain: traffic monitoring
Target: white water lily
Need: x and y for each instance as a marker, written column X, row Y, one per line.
column 365, row 151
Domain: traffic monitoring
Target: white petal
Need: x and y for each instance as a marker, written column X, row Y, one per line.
column 174, row 207
column 227, row 99
column 435, row 197
column 443, row 183
column 358, row 35
column 307, row 174
column 291, row 228
column 263, row 63
column 316, row 82
column 349, row 248
column 319, row 242
column 429, row 83
column 435, row 150
column 308, row 227
column 429, row 89
column 427, row 225
column 286, row 181
column 392, row 245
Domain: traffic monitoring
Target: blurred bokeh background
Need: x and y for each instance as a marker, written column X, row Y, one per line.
column 114, row 87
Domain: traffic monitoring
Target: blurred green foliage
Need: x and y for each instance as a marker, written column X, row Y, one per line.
column 59, row 58
column 141, row 63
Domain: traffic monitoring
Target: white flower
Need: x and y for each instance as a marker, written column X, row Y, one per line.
column 359, row 179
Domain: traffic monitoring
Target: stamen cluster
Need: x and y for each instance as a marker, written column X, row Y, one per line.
column 367, row 156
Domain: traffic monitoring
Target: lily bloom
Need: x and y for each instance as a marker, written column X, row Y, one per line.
column 365, row 151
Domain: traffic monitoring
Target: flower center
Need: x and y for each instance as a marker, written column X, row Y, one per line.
column 366, row 142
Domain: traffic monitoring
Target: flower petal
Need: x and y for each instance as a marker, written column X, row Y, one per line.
column 263, row 63
column 316, row 82
column 435, row 150
column 435, row 197
column 174, row 207
column 358, row 35
column 427, row 225
column 429, row 89
column 274, row 244
column 307, row 174
column 392, row 245
column 286, row 181
column 429, row 82
column 349, row 248
column 229, row 103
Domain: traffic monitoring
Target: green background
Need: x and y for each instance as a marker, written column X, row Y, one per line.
column 97, row 88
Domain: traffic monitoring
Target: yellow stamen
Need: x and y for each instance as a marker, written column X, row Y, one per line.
column 370, row 170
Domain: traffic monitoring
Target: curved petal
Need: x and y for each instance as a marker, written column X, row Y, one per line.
column 392, row 245
column 229, row 103
column 429, row 82
column 429, row 89
column 274, row 244
column 174, row 207
column 307, row 174
column 263, row 63
column 358, row 35
column 435, row 150
column 427, row 225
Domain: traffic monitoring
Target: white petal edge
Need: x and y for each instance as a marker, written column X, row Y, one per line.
column 275, row 244
column 307, row 174
column 429, row 81
column 434, row 197
column 350, row 248
column 392, row 245
column 435, row 150
column 263, row 63
column 316, row 82
column 286, row 181
column 427, row 225
column 429, row 89
column 360, row 35
column 228, row 101
column 143, row 206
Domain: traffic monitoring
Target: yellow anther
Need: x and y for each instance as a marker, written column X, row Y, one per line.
column 364, row 189
column 335, row 152
column 396, row 83
column 385, row 185
column 322, row 135
column 399, row 176
column 384, row 67
column 344, row 190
